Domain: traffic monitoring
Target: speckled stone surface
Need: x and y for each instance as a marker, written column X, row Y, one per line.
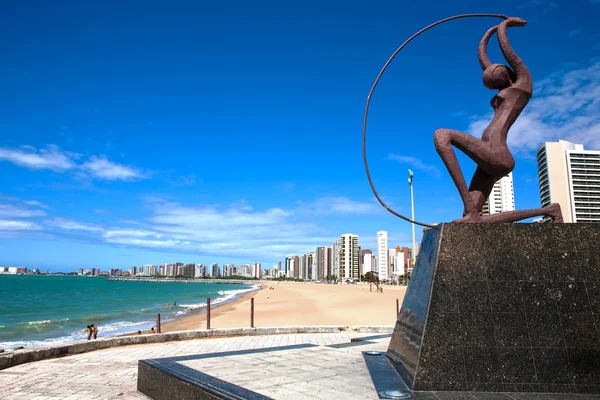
column 503, row 308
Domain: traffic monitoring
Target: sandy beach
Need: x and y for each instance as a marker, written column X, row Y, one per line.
column 297, row 304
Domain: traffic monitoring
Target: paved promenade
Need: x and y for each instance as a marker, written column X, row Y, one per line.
column 112, row 373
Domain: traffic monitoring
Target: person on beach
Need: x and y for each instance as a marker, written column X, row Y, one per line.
column 174, row 304
column 152, row 330
column 88, row 332
column 168, row 305
column 95, row 331
column 139, row 332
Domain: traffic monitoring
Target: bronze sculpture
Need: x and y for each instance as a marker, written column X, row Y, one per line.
column 490, row 153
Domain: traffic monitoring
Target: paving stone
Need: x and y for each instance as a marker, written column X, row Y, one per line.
column 287, row 374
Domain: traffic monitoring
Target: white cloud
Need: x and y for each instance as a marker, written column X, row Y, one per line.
column 71, row 225
column 35, row 203
column 54, row 159
column 236, row 231
column 415, row 163
column 330, row 205
column 51, row 158
column 7, row 225
column 102, row 168
column 566, row 105
column 10, row 211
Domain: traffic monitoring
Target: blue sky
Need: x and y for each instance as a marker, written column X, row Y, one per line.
column 151, row 132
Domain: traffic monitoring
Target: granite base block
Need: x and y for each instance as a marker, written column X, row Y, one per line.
column 502, row 307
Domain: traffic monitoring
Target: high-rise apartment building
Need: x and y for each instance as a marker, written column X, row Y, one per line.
column 367, row 263
column 295, row 267
column 323, row 259
column 256, row 270
column 363, row 255
column 502, row 197
column 349, row 256
column 570, row 175
column 336, row 250
column 382, row 255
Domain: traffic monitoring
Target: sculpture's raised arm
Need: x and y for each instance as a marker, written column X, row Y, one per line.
column 484, row 60
column 523, row 75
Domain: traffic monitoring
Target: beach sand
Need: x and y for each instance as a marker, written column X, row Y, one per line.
column 301, row 304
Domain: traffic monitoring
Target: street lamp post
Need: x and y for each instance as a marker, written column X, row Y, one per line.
column 412, row 204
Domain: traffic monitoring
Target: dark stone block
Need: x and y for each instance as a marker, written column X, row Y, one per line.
column 473, row 296
column 502, row 307
column 584, row 365
column 573, row 298
column 482, row 365
column 505, row 297
column 510, row 330
column 552, row 365
column 444, row 300
column 479, row 328
column 484, row 387
column 590, row 265
column 593, row 292
column 580, row 331
column 516, row 365
column 564, row 266
column 545, row 330
column 539, row 297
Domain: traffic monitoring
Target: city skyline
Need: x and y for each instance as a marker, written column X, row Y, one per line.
column 239, row 138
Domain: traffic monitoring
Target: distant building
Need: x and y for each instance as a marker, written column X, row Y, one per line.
column 570, row 175
column 502, row 197
column 256, row 271
column 349, row 257
column 215, row 271
column 323, row 262
column 336, row 251
column 295, row 267
column 382, row 255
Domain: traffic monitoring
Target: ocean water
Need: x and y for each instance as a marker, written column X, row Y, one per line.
column 38, row 311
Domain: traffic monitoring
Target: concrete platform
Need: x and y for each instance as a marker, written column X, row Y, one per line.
column 113, row 373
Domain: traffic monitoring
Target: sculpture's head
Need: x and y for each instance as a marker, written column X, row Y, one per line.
column 497, row 76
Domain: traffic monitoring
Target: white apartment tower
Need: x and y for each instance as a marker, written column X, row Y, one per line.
column 349, row 257
column 382, row 255
column 502, row 197
column 570, row 175
column 335, row 258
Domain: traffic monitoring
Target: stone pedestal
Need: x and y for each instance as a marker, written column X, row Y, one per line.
column 502, row 308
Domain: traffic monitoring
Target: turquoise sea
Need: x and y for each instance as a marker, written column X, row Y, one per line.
column 37, row 310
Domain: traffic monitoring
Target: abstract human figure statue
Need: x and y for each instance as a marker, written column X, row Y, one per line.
column 491, row 153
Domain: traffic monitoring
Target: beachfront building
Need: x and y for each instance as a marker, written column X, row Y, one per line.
column 367, row 263
column 215, row 271
column 199, row 271
column 349, row 257
column 382, row 255
column 570, row 175
column 256, row 271
column 295, row 267
column 502, row 197
column 335, row 258
column 323, row 262
column 307, row 261
column 363, row 256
